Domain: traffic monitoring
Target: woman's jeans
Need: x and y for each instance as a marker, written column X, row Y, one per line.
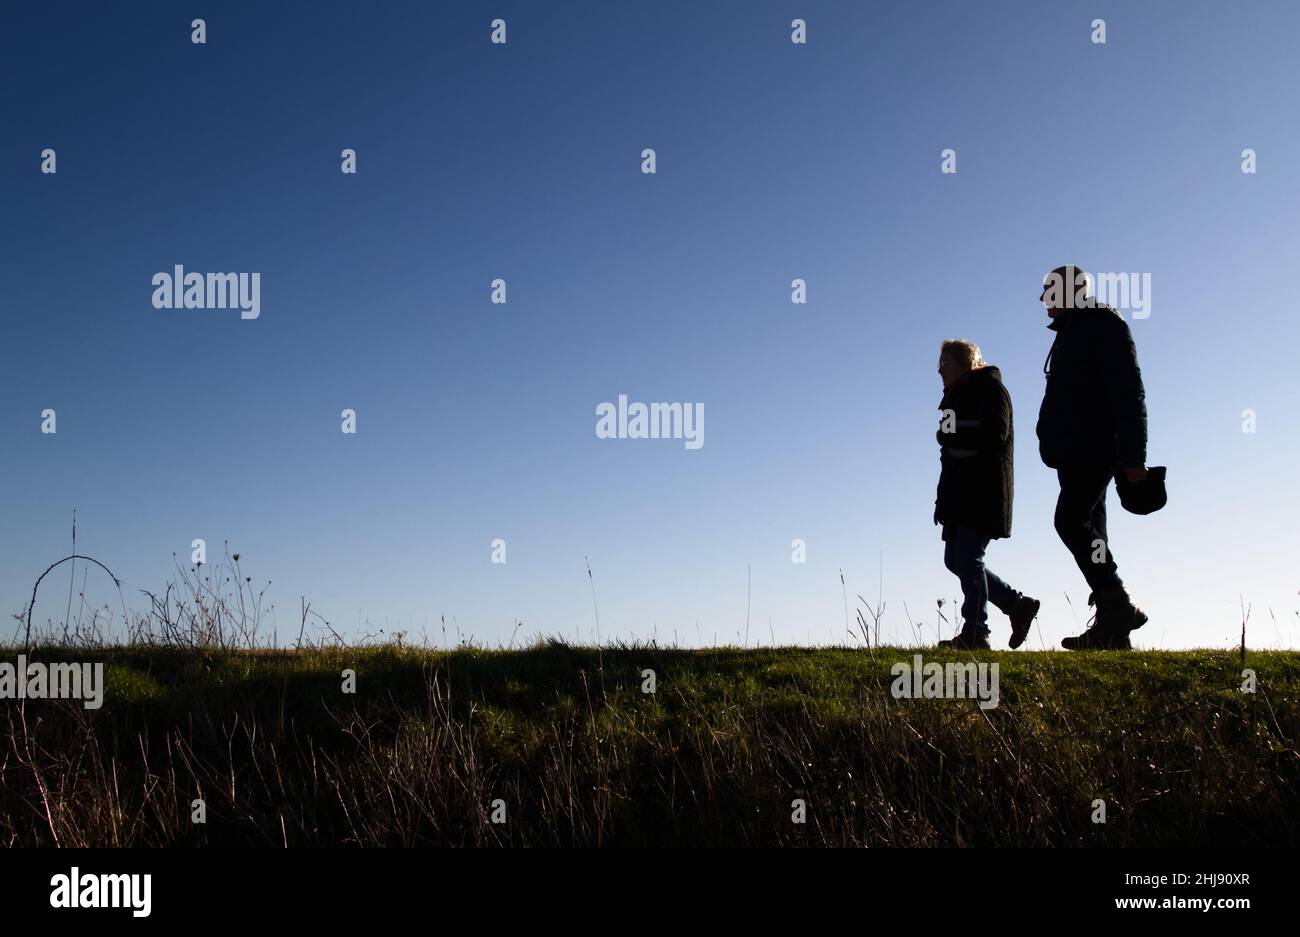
column 963, row 554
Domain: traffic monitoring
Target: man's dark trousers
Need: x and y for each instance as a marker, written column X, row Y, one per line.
column 1081, row 523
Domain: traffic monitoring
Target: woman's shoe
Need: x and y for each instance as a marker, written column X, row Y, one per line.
column 1022, row 616
column 966, row 642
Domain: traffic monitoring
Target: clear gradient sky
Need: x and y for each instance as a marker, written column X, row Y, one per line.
column 775, row 161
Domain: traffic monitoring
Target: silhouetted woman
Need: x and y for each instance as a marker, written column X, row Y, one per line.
column 975, row 490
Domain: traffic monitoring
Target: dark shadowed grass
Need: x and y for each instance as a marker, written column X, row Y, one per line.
column 565, row 738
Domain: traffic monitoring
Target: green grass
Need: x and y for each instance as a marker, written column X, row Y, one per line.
column 579, row 755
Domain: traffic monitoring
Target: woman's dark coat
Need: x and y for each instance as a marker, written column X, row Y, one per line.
column 976, row 491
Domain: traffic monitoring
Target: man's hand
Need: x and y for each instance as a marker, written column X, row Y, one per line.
column 1136, row 474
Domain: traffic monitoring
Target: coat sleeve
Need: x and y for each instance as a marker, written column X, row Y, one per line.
column 985, row 427
column 995, row 419
column 1125, row 395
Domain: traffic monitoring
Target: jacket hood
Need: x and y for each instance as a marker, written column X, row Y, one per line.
column 1063, row 320
column 985, row 374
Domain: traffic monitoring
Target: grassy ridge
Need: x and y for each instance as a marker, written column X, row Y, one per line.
column 579, row 755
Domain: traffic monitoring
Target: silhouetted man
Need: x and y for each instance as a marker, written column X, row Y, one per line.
column 1093, row 423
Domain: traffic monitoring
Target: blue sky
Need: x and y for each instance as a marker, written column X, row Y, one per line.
column 476, row 421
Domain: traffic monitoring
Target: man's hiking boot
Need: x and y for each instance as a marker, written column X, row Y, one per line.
column 1097, row 638
column 967, row 642
column 1116, row 612
column 1116, row 616
column 1022, row 616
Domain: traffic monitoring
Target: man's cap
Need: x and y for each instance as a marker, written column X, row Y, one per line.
column 1142, row 497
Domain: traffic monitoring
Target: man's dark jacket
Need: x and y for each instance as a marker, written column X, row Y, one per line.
column 1094, row 409
column 976, row 491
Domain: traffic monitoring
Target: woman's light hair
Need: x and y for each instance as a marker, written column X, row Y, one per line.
column 968, row 353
